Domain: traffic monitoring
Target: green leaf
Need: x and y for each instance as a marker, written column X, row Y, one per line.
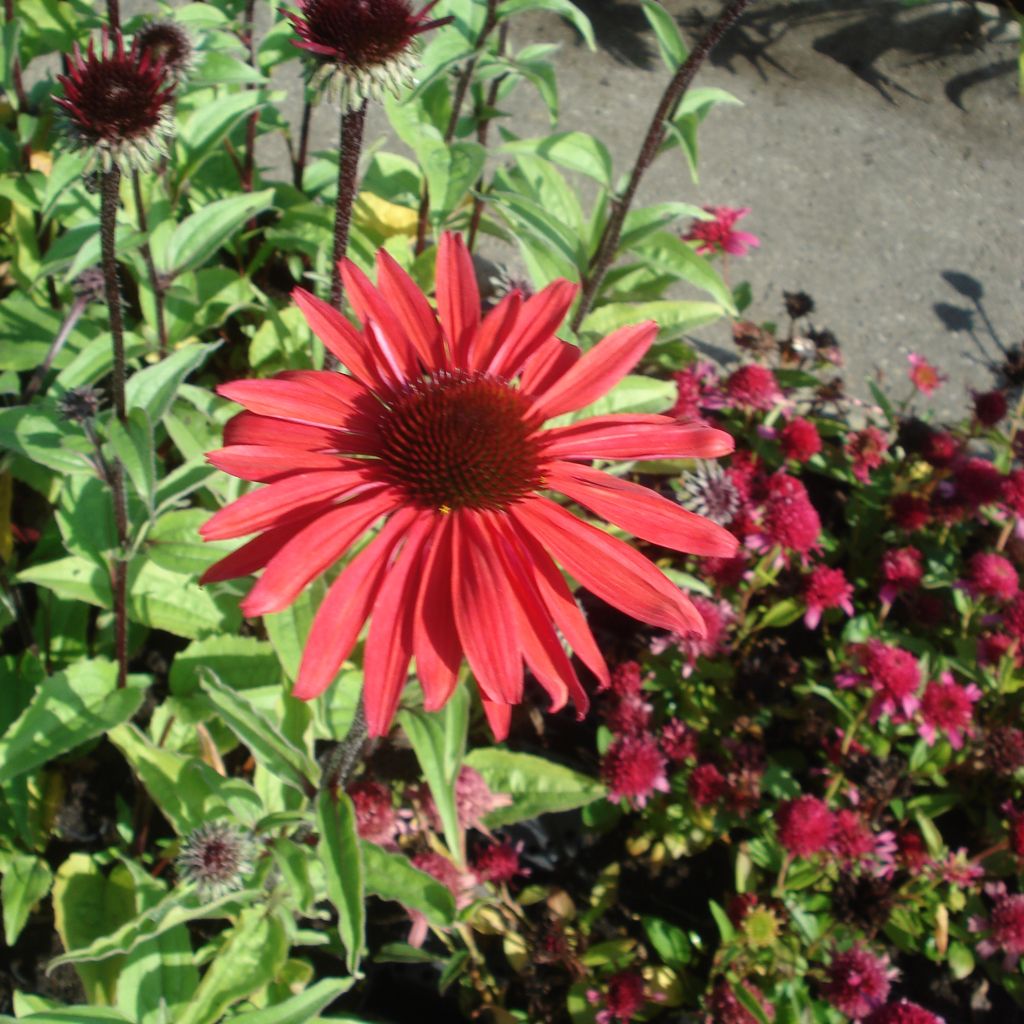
column 255, row 950
column 668, row 254
column 294, row 766
column 563, row 8
column 68, row 709
column 451, row 171
column 577, row 151
column 392, row 877
column 87, row 905
column 27, row 880
column 158, row 976
column 541, row 233
column 27, row 329
column 239, row 662
column 44, row 438
column 670, row 40
column 670, row 942
column 673, row 316
column 439, row 739
column 70, row 1015
column 85, row 518
column 200, row 134
column 133, row 446
column 173, row 543
column 341, row 857
column 176, row 908
column 223, row 69
column 300, row 1009
column 287, row 630
column 961, row 961
column 167, row 600
column 536, row 786
column 725, row 928
column 782, row 613
column 202, row 233
column 187, row 791
column 154, row 388
column 73, row 578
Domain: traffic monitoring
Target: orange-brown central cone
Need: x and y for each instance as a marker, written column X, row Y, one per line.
column 461, row 441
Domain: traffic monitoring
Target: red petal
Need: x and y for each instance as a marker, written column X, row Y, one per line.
column 280, row 502
column 598, row 371
column 558, row 600
column 251, row 428
column 499, row 717
column 288, row 399
column 458, row 298
column 344, row 610
column 412, row 309
column 481, row 601
column 435, row 638
column 493, row 331
column 611, row 569
column 631, row 436
column 548, row 365
column 640, row 511
column 389, row 643
column 313, row 549
column 539, row 319
column 396, row 348
column 251, row 556
column 338, row 336
column 542, row 650
column 260, row 462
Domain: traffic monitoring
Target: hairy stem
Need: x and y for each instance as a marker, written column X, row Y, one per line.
column 147, row 256
column 19, row 87
column 667, row 106
column 341, row 761
column 35, row 383
column 114, row 15
column 109, row 194
column 350, row 145
column 299, row 163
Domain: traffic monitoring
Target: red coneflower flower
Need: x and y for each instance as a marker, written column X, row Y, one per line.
column 361, row 47
column 437, row 429
column 119, row 103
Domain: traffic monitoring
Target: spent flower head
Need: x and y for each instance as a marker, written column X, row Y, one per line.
column 360, row 49
column 117, row 102
column 168, row 43
column 217, row 857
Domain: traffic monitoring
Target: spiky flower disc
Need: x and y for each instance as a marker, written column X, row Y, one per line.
column 117, row 103
column 217, row 857
column 361, row 48
column 169, row 43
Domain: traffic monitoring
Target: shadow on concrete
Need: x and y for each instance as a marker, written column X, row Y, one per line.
column 959, row 319
column 622, row 31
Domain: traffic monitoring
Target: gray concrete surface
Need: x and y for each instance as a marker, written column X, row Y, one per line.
column 878, row 147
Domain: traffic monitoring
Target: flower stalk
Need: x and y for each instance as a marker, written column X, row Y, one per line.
column 350, row 144
column 110, row 182
column 667, row 106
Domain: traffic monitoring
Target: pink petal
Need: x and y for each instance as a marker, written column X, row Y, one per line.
column 315, row 548
column 389, row 643
column 641, row 511
column 280, row 502
column 481, row 600
column 598, row 371
column 633, row 436
column 260, row 462
column 435, row 638
column 253, row 554
column 458, row 298
column 340, row 618
column 410, row 306
column 611, row 569
column 339, row 337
